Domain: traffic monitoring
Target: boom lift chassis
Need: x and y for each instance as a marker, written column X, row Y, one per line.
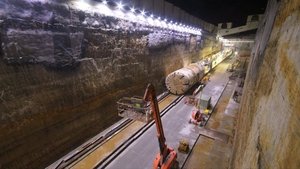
column 166, row 158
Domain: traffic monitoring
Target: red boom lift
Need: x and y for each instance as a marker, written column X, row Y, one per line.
column 146, row 109
column 166, row 158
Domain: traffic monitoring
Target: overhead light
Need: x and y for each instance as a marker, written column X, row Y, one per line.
column 137, row 15
column 132, row 9
column 120, row 5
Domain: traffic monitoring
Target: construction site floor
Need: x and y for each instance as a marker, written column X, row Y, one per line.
column 212, row 153
column 210, row 145
column 142, row 151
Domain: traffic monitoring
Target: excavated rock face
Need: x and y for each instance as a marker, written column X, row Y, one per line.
column 62, row 71
column 268, row 129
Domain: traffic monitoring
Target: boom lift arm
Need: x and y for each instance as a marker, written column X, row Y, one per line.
column 166, row 158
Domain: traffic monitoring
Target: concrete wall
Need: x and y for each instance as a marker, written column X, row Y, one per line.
column 268, row 129
column 62, row 71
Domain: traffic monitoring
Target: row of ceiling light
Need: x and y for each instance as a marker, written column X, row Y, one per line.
column 120, row 10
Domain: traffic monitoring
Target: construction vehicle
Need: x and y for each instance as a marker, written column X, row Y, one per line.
column 166, row 158
column 200, row 115
column 197, row 118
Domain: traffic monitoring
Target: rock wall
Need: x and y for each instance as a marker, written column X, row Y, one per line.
column 210, row 47
column 62, row 71
column 268, row 129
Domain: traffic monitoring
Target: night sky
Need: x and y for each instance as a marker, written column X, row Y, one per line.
column 221, row 11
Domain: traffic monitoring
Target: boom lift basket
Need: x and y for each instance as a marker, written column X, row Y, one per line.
column 134, row 108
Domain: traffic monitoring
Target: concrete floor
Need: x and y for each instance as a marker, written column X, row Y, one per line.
column 208, row 152
column 141, row 152
column 102, row 151
column 211, row 153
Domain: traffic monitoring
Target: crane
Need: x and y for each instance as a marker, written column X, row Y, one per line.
column 166, row 158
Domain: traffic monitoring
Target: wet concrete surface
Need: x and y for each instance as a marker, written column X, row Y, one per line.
column 212, row 153
column 91, row 159
column 141, row 153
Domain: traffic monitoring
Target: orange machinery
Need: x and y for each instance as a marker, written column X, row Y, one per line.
column 166, row 158
column 145, row 110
